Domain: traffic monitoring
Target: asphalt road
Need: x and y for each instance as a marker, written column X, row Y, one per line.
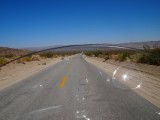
column 72, row 90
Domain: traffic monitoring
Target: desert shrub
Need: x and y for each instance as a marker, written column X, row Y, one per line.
column 15, row 57
column 145, row 58
column 35, row 58
column 135, row 57
column 26, row 59
column 146, row 47
column 92, row 53
column 152, row 57
column 3, row 61
column 47, row 54
column 9, row 56
column 55, row 56
column 106, row 57
column 125, row 54
column 97, row 53
column 120, row 57
column 19, row 61
column 23, row 60
column 101, row 55
column 88, row 53
column 155, row 55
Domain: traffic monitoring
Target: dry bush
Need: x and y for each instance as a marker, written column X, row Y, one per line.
column 55, row 56
column 23, row 60
column 47, row 54
column 3, row 61
column 120, row 57
column 150, row 56
column 20, row 61
column 36, row 58
column 135, row 57
column 26, row 59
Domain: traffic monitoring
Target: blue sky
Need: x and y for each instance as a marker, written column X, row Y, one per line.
column 28, row 23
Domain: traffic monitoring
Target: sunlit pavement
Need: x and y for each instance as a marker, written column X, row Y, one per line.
column 73, row 90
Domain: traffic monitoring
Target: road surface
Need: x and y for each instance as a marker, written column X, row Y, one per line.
column 72, row 90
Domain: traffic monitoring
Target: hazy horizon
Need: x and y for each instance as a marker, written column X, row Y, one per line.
column 48, row 46
column 40, row 23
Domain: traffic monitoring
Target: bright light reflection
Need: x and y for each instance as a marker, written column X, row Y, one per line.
column 87, row 118
column 125, row 77
column 84, row 116
column 83, row 98
column 108, row 80
column 138, row 86
column 158, row 113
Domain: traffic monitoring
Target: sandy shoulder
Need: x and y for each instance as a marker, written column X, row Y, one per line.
column 150, row 87
column 14, row 72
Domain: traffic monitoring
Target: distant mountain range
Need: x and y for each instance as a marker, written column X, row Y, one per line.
column 39, row 48
column 137, row 45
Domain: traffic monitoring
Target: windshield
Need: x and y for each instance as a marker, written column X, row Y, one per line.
column 54, row 74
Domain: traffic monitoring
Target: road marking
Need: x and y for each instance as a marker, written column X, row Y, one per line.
column 63, row 82
column 44, row 109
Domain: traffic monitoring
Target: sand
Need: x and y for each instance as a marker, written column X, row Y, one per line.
column 15, row 72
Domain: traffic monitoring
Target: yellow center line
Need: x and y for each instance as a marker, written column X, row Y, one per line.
column 63, row 82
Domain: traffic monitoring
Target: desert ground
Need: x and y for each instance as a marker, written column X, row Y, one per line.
column 15, row 72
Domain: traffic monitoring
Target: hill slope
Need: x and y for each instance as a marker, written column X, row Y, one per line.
column 4, row 51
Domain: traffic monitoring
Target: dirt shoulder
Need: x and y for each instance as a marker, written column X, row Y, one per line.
column 150, row 87
column 15, row 72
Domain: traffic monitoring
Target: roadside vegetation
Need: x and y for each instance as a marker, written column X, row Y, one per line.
column 35, row 57
column 149, row 56
column 56, row 54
